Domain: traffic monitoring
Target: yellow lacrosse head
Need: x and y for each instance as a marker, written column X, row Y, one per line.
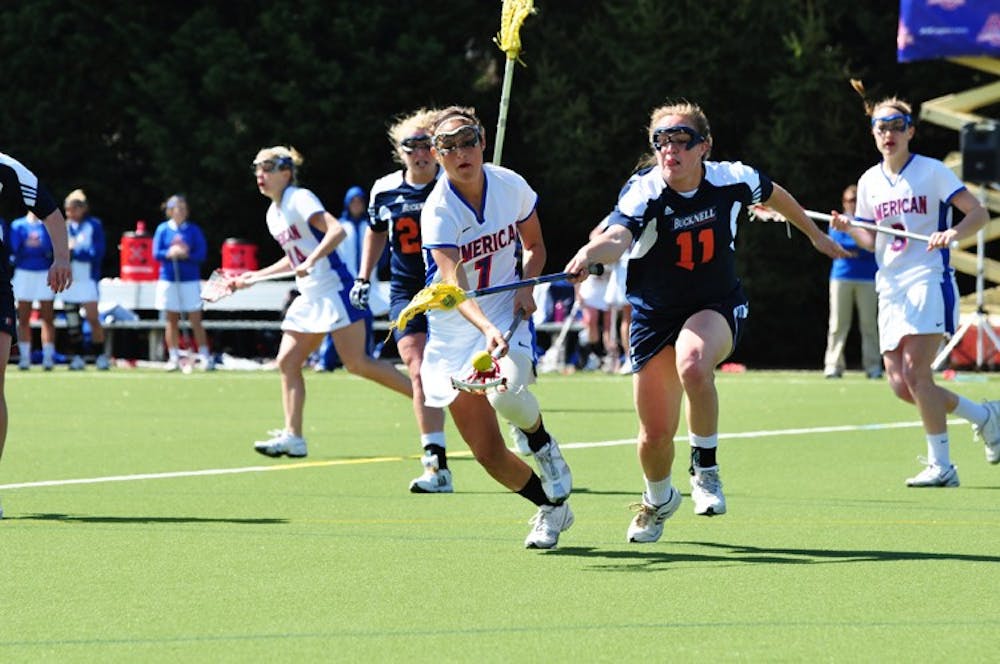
column 512, row 15
column 435, row 296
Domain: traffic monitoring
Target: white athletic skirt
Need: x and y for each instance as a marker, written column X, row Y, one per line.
column 615, row 294
column 316, row 316
column 447, row 358
column 923, row 308
column 32, row 285
column 184, row 297
column 83, row 288
column 592, row 292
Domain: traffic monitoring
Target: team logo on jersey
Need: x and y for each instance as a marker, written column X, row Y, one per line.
column 700, row 218
column 489, row 244
column 290, row 234
column 916, row 205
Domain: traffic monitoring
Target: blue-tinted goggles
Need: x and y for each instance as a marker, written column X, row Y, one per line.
column 897, row 122
column 272, row 164
column 414, row 143
column 681, row 135
column 466, row 136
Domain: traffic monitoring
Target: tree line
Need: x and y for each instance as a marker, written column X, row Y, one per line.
column 134, row 100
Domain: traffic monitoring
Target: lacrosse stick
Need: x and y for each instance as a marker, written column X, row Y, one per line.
column 888, row 230
column 485, row 376
column 445, row 296
column 765, row 213
column 512, row 15
column 219, row 285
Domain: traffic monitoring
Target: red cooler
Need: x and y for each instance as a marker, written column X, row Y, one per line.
column 137, row 262
column 238, row 256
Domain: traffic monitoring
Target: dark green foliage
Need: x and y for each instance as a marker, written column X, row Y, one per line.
column 135, row 100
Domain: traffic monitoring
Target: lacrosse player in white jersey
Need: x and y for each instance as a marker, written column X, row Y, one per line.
column 308, row 234
column 917, row 295
column 472, row 224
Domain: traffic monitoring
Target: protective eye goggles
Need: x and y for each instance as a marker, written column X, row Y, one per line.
column 271, row 165
column 466, row 136
column 414, row 143
column 897, row 122
column 681, row 135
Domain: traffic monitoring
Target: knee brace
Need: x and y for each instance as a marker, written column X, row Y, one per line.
column 517, row 404
column 74, row 328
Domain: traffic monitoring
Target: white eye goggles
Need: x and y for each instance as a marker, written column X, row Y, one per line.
column 466, row 136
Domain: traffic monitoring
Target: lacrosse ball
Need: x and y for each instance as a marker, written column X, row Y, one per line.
column 482, row 361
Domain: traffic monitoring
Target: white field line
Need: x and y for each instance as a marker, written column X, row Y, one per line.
column 347, row 462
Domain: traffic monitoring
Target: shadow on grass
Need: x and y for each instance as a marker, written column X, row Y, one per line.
column 78, row 518
column 651, row 560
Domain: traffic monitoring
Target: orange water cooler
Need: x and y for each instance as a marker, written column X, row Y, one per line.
column 238, row 256
column 137, row 262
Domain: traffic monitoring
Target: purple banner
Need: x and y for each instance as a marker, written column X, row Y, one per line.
column 930, row 29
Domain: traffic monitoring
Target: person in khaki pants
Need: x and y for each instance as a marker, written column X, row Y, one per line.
column 852, row 284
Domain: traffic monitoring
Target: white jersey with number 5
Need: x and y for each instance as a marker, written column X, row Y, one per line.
column 918, row 200
column 289, row 224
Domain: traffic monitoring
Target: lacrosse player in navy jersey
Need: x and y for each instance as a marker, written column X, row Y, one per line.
column 20, row 191
column 917, row 294
column 473, row 222
column 688, row 307
column 394, row 217
column 309, row 236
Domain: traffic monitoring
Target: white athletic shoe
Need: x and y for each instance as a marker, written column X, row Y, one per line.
column 24, row 363
column 434, row 479
column 989, row 433
column 548, row 522
column 172, row 365
column 48, row 363
column 77, row 364
column 647, row 525
column 934, row 475
column 208, row 363
column 706, row 492
column 282, row 444
column 1, row 511
column 557, row 480
column 520, row 440
column 102, row 363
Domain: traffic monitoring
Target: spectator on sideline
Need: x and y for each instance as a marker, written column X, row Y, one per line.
column 309, row 235
column 31, row 257
column 472, row 223
column 688, row 305
column 180, row 247
column 20, row 192
column 852, row 284
column 917, row 294
column 394, row 216
column 87, row 245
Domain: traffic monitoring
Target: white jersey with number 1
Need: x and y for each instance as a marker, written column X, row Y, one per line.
column 487, row 240
column 917, row 200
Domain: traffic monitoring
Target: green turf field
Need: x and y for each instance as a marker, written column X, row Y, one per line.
column 823, row 556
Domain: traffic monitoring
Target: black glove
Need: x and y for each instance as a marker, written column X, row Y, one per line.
column 359, row 293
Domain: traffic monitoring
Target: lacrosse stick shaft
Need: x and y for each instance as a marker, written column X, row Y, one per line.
column 518, row 317
column 508, row 77
column 888, row 230
column 595, row 269
column 287, row 274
